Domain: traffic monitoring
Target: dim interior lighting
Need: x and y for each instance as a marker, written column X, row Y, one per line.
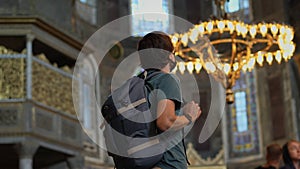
column 273, row 42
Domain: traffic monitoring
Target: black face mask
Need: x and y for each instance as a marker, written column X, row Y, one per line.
column 172, row 64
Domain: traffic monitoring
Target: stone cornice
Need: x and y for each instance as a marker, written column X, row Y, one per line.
column 44, row 26
column 74, row 147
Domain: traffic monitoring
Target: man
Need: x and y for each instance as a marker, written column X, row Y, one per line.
column 156, row 56
column 273, row 157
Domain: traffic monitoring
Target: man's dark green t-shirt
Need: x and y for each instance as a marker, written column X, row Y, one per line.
column 167, row 86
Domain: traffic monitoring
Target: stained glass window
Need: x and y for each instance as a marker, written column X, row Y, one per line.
column 85, row 94
column 240, row 9
column 143, row 23
column 87, row 105
column 243, row 122
column 87, row 10
column 241, row 111
column 233, row 6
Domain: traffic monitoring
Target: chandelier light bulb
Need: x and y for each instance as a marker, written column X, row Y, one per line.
column 280, row 41
column 251, row 63
column 221, row 26
column 184, row 39
column 278, row 56
column 290, row 49
column 285, row 55
column 174, row 39
column 198, row 66
column 209, row 27
column 244, row 68
column 226, row 68
column 289, row 35
column 235, row 66
column 230, row 26
column 252, row 31
column 263, row 30
column 269, row 58
column 238, row 28
column 260, row 58
column 190, row 67
column 181, row 67
column 274, row 30
column 282, row 30
column 210, row 67
column 194, row 35
column 201, row 29
column 244, row 31
column 293, row 48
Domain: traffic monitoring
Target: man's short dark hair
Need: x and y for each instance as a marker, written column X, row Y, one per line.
column 274, row 152
column 154, row 50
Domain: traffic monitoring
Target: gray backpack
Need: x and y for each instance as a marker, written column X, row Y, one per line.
column 130, row 127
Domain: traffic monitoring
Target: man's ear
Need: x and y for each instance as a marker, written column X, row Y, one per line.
column 171, row 56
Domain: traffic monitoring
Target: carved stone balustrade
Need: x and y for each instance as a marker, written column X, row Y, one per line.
column 52, row 86
column 12, row 77
column 47, row 115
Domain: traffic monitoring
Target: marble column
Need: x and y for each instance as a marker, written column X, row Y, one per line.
column 29, row 39
column 26, row 153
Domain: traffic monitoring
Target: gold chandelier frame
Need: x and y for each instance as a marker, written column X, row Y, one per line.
column 232, row 46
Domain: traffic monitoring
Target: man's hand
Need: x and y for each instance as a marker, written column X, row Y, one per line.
column 193, row 110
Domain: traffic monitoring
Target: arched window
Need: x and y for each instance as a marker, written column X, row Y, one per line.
column 142, row 24
column 87, row 104
column 87, row 10
column 88, row 92
column 240, row 9
column 241, row 111
column 243, row 121
column 233, row 6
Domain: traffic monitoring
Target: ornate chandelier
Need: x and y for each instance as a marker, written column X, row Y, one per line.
column 232, row 46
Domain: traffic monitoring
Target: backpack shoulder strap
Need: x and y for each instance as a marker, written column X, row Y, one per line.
column 150, row 76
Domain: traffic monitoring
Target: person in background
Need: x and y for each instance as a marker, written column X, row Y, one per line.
column 291, row 155
column 273, row 157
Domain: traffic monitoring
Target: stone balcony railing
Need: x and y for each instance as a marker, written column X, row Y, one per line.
column 36, row 102
column 50, row 85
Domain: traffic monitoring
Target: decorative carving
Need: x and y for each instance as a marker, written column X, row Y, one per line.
column 12, row 75
column 89, row 147
column 4, row 50
column 66, row 69
column 68, row 129
column 52, row 88
column 43, row 58
column 26, row 149
column 8, row 117
column 44, row 121
column 196, row 159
